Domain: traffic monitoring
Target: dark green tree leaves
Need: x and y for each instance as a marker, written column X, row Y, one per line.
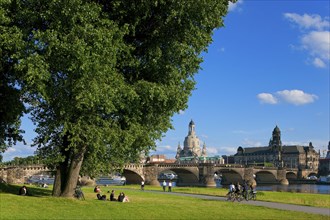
column 102, row 79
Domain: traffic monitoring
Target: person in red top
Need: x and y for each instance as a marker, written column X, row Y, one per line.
column 97, row 189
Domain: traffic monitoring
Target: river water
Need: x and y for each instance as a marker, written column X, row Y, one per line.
column 300, row 188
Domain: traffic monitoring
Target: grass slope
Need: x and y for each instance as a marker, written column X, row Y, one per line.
column 142, row 205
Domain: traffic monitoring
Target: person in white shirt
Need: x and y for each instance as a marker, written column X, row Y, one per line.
column 170, row 186
column 231, row 188
column 164, row 185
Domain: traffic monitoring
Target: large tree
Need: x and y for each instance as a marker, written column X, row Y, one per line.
column 11, row 104
column 103, row 78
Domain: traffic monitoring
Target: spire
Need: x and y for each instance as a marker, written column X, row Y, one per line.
column 191, row 128
column 275, row 141
column 204, row 150
column 178, row 151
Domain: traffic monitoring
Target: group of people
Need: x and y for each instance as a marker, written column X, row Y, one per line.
column 121, row 197
column 164, row 184
column 241, row 189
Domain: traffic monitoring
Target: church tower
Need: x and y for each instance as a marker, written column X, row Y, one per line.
column 178, row 151
column 191, row 145
column 328, row 152
column 204, row 150
column 275, row 142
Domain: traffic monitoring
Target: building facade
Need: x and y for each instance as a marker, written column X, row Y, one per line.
column 278, row 155
column 324, row 165
column 191, row 145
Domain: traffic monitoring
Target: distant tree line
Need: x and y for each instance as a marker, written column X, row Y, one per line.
column 30, row 160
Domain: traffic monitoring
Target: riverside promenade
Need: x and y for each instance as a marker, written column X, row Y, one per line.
column 273, row 205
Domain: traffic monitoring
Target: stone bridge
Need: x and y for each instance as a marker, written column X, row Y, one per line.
column 202, row 174
column 195, row 174
column 19, row 174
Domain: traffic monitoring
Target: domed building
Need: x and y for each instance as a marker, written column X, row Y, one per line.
column 191, row 145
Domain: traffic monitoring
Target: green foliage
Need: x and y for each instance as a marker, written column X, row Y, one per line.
column 30, row 160
column 11, row 105
column 103, row 78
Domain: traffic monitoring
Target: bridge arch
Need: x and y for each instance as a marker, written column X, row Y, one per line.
column 132, row 177
column 185, row 176
column 291, row 176
column 229, row 176
column 312, row 174
column 265, row 177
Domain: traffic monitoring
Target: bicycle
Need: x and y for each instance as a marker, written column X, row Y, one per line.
column 78, row 193
column 232, row 196
column 252, row 195
column 238, row 196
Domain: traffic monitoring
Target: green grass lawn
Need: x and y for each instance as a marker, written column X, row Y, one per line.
column 316, row 200
column 142, row 205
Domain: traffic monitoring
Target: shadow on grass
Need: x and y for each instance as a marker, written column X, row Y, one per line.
column 32, row 191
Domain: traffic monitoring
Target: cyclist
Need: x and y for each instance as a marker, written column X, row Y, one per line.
column 238, row 188
column 245, row 190
column 231, row 188
column 231, row 192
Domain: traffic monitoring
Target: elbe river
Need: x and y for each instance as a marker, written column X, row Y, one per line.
column 300, row 188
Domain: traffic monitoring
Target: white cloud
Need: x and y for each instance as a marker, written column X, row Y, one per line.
column 165, row 148
column 318, row 63
column 267, row 98
column 228, row 150
column 181, row 112
column 251, row 143
column 211, row 151
column 307, row 21
column 235, row 6
column 19, row 150
column 204, row 136
column 296, row 97
column 315, row 36
column 318, row 44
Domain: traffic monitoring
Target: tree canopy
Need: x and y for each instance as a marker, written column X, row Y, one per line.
column 101, row 78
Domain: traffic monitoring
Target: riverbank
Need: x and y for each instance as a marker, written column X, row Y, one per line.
column 304, row 199
column 153, row 204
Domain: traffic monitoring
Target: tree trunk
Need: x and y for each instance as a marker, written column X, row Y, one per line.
column 61, row 170
column 72, row 174
column 57, row 182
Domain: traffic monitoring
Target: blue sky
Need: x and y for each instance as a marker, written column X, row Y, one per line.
column 268, row 66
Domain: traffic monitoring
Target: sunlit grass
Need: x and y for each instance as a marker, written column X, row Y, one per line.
column 317, row 200
column 142, row 205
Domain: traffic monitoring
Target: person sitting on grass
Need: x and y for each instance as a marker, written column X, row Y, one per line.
column 112, row 195
column 23, row 191
column 97, row 189
column 122, row 198
column 103, row 197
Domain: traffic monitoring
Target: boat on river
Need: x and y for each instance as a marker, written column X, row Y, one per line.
column 324, row 180
column 113, row 180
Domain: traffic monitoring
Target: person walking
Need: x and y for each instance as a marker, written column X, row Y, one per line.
column 170, row 186
column 142, row 185
column 164, row 185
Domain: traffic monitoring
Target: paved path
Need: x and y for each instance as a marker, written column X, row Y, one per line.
column 274, row 205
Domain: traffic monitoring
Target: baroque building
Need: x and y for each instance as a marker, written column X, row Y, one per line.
column 276, row 154
column 324, row 166
column 191, row 145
